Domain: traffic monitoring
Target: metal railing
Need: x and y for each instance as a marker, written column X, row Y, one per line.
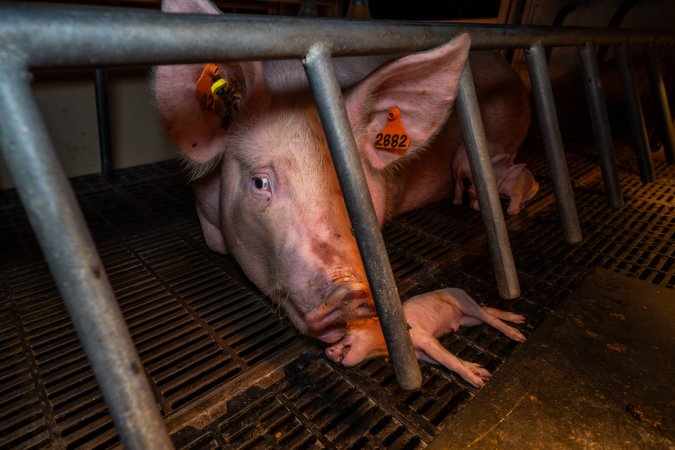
column 38, row 37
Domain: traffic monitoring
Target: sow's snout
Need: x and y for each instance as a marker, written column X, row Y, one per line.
column 347, row 300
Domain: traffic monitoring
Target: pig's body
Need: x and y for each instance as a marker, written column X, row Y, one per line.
column 429, row 317
column 405, row 186
column 505, row 109
column 264, row 182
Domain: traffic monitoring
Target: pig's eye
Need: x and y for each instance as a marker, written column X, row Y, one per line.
column 261, row 183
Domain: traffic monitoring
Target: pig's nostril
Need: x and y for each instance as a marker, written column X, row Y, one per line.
column 346, row 301
column 345, row 293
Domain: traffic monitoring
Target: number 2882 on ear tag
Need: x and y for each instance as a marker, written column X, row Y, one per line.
column 393, row 136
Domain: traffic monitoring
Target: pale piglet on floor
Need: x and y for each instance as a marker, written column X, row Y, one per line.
column 429, row 316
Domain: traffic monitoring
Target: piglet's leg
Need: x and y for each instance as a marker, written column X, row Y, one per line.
column 504, row 315
column 425, row 343
column 472, row 311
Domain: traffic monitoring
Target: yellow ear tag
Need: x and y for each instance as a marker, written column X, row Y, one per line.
column 219, row 89
column 393, row 136
column 203, row 87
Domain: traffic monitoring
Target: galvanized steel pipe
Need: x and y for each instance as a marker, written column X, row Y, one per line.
column 661, row 98
column 486, row 187
column 600, row 120
column 59, row 37
column 344, row 153
column 555, row 153
column 103, row 117
column 60, row 228
column 636, row 120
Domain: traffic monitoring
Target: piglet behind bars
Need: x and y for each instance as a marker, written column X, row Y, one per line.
column 429, row 316
column 264, row 182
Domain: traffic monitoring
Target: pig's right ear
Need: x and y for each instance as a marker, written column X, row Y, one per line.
column 423, row 86
column 202, row 134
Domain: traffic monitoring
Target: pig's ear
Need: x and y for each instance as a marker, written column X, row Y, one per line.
column 423, row 86
column 201, row 134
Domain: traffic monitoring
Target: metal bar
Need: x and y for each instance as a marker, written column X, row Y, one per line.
column 659, row 91
column 600, row 120
column 636, row 120
column 555, row 153
column 60, row 37
column 69, row 250
column 328, row 97
column 486, row 187
column 103, row 116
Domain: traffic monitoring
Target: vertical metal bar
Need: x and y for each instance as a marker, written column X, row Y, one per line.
column 636, row 120
column 72, row 258
column 486, row 187
column 555, row 153
column 600, row 120
column 103, row 115
column 659, row 91
column 328, row 97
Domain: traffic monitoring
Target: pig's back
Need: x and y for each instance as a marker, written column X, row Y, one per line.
column 503, row 99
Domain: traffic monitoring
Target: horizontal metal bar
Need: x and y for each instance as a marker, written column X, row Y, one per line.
column 80, row 276
column 636, row 119
column 555, row 153
column 59, row 37
column 486, row 187
column 342, row 145
column 588, row 58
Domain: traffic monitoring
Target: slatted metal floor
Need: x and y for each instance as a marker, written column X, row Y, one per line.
column 228, row 369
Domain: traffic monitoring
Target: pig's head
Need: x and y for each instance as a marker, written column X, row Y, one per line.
column 264, row 182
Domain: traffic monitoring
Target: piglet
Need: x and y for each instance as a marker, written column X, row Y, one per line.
column 514, row 181
column 429, row 316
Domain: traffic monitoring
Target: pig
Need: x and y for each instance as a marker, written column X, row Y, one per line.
column 514, row 181
column 265, row 187
column 429, row 316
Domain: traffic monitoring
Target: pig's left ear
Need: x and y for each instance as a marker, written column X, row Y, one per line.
column 423, row 86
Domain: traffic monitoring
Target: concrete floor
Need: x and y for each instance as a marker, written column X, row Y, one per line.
column 598, row 373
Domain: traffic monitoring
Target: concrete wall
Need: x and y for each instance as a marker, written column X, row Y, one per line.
column 68, row 104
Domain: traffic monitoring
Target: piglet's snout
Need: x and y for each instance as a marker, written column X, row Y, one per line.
column 346, row 301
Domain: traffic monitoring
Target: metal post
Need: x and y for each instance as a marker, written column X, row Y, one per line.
column 72, row 258
column 103, row 115
column 659, row 91
column 342, row 145
column 636, row 120
column 555, row 153
column 486, row 187
column 600, row 120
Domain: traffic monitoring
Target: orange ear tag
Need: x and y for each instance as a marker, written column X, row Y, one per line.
column 203, row 87
column 393, row 136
